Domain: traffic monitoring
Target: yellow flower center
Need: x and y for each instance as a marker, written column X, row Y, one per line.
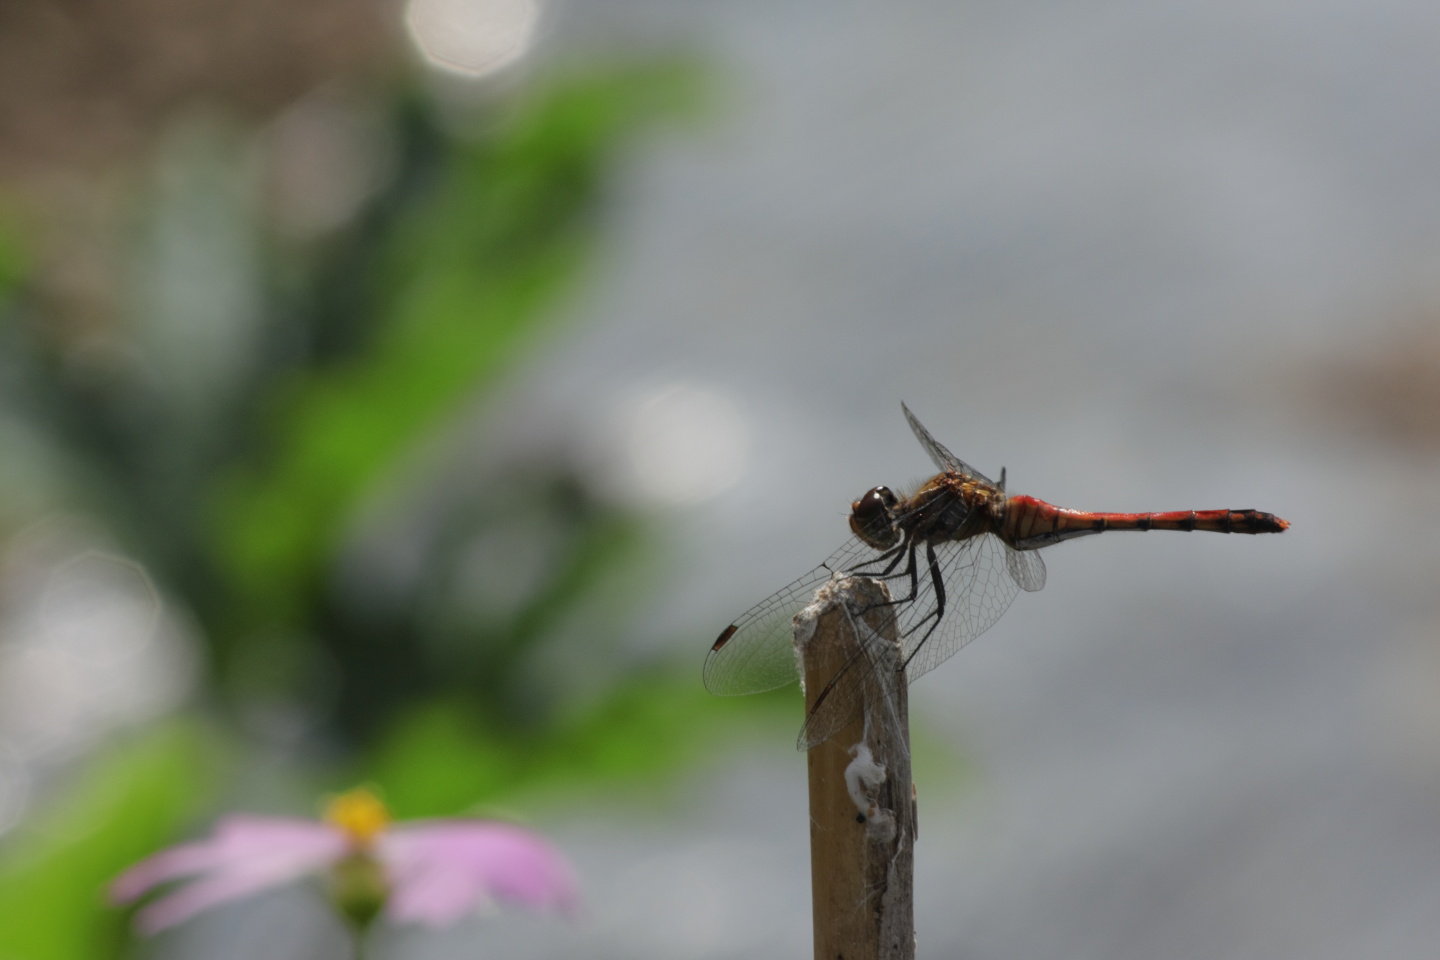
column 359, row 813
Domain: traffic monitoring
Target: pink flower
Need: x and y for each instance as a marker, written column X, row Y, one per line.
column 429, row 872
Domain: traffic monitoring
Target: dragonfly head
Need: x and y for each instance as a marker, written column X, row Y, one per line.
column 872, row 518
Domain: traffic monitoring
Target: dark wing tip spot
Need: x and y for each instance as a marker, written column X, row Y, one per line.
column 720, row 642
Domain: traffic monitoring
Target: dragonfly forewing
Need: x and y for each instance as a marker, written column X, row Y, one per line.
column 980, row 580
column 981, row 576
column 756, row 653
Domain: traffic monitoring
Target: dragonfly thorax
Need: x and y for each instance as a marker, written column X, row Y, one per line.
column 872, row 518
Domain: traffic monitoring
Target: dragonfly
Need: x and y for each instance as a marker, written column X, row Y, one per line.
column 954, row 554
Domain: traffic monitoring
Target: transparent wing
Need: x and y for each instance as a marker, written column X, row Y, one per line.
column 942, row 457
column 979, row 586
column 1026, row 567
column 978, row 589
column 756, row 652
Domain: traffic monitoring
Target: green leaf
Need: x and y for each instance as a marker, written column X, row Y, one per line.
column 129, row 804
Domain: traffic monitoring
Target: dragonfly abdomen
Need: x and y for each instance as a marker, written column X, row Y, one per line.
column 1031, row 523
column 1215, row 521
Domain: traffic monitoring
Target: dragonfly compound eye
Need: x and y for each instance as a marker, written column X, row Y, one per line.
column 872, row 521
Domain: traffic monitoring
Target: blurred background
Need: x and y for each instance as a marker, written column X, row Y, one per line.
column 409, row 393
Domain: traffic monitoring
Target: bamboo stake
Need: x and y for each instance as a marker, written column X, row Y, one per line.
column 862, row 831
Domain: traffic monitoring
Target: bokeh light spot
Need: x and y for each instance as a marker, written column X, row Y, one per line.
column 86, row 645
column 326, row 155
column 100, row 608
column 472, row 37
column 686, row 444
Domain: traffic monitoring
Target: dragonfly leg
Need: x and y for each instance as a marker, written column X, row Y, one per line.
column 894, row 562
column 938, row 613
column 911, row 570
column 893, row 555
column 937, row 579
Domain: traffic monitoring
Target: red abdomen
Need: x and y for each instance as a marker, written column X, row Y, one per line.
column 1031, row 523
